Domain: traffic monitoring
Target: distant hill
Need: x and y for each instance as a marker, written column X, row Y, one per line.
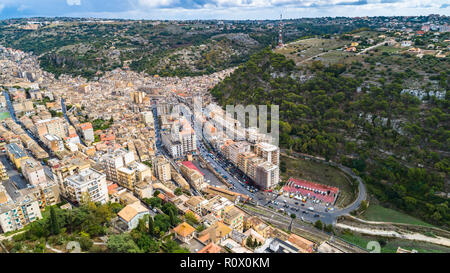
column 88, row 48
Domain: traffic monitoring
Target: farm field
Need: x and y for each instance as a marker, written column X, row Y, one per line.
column 382, row 214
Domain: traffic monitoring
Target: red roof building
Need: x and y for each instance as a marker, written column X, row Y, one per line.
column 191, row 165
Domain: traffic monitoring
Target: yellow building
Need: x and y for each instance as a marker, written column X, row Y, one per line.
column 126, row 177
column 234, row 217
column 15, row 154
column 3, row 173
column 133, row 174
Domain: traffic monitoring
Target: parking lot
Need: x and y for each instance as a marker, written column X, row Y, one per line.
column 210, row 178
column 307, row 210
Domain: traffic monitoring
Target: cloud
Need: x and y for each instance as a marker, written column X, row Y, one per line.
column 218, row 9
column 73, row 2
column 158, row 3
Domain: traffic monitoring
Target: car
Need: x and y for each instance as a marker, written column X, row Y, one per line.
column 296, row 203
column 316, row 215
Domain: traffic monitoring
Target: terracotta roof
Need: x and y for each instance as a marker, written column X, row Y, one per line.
column 210, row 248
column 300, row 242
column 184, row 229
column 130, row 211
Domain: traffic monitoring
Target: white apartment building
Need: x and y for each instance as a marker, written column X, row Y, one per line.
column 269, row 152
column 147, row 117
column 114, row 160
column 33, row 171
column 87, row 182
column 181, row 139
column 52, row 126
column 162, row 168
column 234, row 149
column 17, row 214
column 87, row 131
column 267, row 175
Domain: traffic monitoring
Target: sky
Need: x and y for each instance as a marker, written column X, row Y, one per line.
column 219, row 9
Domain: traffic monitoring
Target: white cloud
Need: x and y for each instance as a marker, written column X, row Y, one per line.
column 157, row 3
column 73, row 2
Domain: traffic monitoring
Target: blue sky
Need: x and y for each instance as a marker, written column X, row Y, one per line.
column 218, row 9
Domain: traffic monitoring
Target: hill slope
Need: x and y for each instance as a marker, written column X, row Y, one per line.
column 398, row 143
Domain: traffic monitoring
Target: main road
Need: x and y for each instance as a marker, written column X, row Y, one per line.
column 266, row 199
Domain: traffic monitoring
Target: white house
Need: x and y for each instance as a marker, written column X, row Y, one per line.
column 131, row 214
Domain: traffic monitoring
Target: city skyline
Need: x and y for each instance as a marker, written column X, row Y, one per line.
column 218, row 9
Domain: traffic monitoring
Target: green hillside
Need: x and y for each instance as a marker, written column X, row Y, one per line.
column 395, row 141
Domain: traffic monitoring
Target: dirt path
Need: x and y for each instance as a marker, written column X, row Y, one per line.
column 3, row 237
column 394, row 234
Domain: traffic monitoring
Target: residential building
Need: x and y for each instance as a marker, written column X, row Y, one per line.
column 267, row 175
column 87, row 183
column 162, row 168
column 114, row 160
column 17, row 214
column 234, row 217
column 3, row 173
column 33, row 171
column 87, row 131
column 15, row 154
column 132, row 213
column 52, row 126
column 135, row 172
column 184, row 232
column 275, row 245
column 269, row 152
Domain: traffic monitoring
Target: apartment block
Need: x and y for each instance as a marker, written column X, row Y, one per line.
column 87, row 183
column 17, row 214
column 52, row 126
column 114, row 160
column 269, row 152
column 87, row 131
column 162, row 168
column 33, row 171
column 16, row 154
column 267, row 175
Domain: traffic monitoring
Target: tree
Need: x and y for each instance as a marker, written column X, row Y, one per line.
column 146, row 244
column 249, row 242
column 328, row 228
column 162, row 222
column 154, row 202
column 85, row 242
column 178, row 191
column 173, row 218
column 191, row 219
column 54, row 225
column 170, row 246
column 293, row 216
column 122, row 243
column 151, row 226
column 318, row 224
